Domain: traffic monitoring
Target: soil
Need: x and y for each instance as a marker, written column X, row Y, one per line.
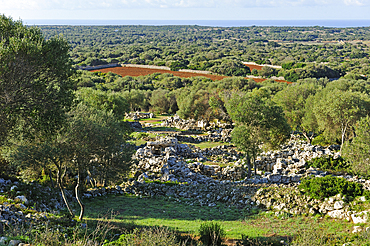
column 251, row 67
column 136, row 71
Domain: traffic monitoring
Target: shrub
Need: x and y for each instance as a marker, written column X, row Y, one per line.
column 329, row 163
column 247, row 241
column 357, row 152
column 328, row 186
column 211, row 233
column 321, row 140
column 149, row 237
column 310, row 237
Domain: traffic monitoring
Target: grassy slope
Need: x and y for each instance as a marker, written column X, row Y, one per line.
column 187, row 219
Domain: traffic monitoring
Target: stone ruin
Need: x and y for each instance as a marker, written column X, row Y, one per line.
column 193, row 125
column 138, row 115
column 168, row 160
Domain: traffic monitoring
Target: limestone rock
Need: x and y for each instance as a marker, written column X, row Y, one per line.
column 360, row 217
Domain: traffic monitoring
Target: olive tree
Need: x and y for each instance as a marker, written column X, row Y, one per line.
column 337, row 111
column 93, row 142
column 258, row 121
column 357, row 152
column 35, row 85
column 293, row 99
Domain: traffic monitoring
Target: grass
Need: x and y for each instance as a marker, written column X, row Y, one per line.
column 204, row 145
column 186, row 218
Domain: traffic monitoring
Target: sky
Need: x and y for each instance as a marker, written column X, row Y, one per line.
column 186, row 9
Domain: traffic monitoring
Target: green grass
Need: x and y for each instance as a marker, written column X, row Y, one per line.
column 187, row 219
column 204, row 145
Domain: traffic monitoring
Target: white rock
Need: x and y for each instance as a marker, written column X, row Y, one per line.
column 331, row 200
column 338, row 214
column 3, row 240
column 360, row 217
column 356, row 229
column 21, row 198
column 363, row 199
column 14, row 242
column 338, row 205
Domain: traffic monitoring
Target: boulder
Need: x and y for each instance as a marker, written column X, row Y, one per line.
column 360, row 217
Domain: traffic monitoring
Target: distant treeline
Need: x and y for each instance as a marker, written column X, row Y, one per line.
column 222, row 50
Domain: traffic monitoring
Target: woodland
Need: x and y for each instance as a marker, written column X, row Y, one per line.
column 65, row 133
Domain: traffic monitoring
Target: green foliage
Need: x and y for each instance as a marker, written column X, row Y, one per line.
column 310, row 237
column 311, row 71
column 35, row 81
column 336, row 112
column 328, row 163
column 267, row 72
column 247, row 241
column 103, row 100
column 293, row 100
column 357, row 152
column 321, row 140
column 231, row 68
column 324, row 187
column 177, row 65
column 159, row 101
column 148, row 236
column 259, row 119
column 211, row 234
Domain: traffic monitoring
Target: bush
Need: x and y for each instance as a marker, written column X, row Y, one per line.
column 320, row 188
column 246, row 241
column 211, row 233
column 152, row 236
column 357, row 152
column 329, row 163
column 310, row 237
column 321, row 140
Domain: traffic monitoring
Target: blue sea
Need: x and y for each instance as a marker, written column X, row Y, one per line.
column 214, row 23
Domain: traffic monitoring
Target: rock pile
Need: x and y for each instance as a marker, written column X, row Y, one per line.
column 219, row 135
column 167, row 160
column 33, row 194
column 138, row 115
column 291, row 153
column 199, row 194
column 288, row 200
column 194, row 125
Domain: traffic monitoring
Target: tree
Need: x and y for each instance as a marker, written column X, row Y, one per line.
column 193, row 103
column 104, row 100
column 136, row 99
column 231, row 68
column 95, row 140
column 159, row 101
column 357, row 152
column 91, row 143
column 258, row 120
column 53, row 154
column 293, row 101
column 337, row 112
column 35, row 85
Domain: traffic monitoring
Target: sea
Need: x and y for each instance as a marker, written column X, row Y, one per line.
column 213, row 23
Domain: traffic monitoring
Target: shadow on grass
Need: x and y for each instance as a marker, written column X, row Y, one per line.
column 179, row 216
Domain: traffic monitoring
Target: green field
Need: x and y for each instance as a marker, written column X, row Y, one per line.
column 186, row 218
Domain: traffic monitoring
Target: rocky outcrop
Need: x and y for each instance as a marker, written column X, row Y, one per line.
column 138, row 115
column 292, row 153
column 193, row 125
column 167, row 160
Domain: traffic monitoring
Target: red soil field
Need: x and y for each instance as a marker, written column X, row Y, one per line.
column 136, row 71
column 251, row 67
